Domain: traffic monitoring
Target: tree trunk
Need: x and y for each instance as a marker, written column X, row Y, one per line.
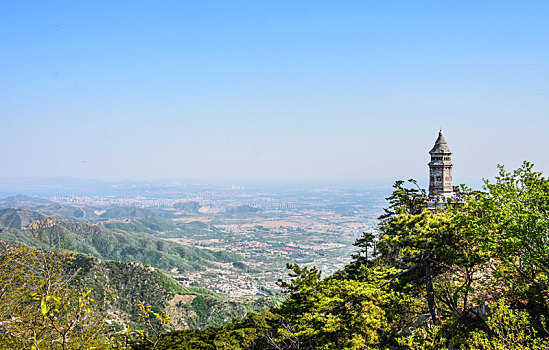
column 430, row 294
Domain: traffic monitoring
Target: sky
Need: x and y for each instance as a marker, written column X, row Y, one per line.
column 271, row 90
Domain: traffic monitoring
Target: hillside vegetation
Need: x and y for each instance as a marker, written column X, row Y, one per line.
column 18, row 218
column 123, row 285
column 121, row 243
column 470, row 275
column 463, row 275
column 54, row 299
column 149, row 224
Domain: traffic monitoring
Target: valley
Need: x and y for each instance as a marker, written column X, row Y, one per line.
column 230, row 240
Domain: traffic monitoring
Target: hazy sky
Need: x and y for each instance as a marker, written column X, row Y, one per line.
column 271, row 89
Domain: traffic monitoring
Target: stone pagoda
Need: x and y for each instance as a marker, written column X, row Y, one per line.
column 440, row 170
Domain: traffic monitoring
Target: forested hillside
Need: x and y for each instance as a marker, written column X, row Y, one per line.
column 54, row 294
column 17, row 218
column 123, row 285
column 470, row 275
column 123, row 241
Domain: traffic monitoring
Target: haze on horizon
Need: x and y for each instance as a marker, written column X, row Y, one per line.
column 353, row 90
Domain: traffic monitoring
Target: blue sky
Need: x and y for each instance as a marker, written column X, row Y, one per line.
column 274, row 90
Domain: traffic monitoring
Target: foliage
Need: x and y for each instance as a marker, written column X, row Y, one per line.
column 40, row 307
column 513, row 217
column 153, row 326
column 122, row 243
column 333, row 313
column 507, row 329
column 426, row 337
column 45, row 289
column 252, row 332
column 426, row 280
column 123, row 285
column 493, row 246
column 468, row 275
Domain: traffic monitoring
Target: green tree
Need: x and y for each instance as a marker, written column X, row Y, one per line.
column 40, row 306
column 430, row 247
column 153, row 326
column 335, row 313
column 513, row 218
column 507, row 329
column 429, row 279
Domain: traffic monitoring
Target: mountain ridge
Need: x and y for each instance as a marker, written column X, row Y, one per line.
column 123, row 245
column 18, row 218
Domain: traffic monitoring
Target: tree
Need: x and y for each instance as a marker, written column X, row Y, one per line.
column 338, row 313
column 509, row 329
column 469, row 275
column 493, row 246
column 154, row 326
column 40, row 306
column 513, row 216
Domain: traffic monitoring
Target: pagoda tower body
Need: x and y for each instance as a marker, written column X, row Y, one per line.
column 440, row 170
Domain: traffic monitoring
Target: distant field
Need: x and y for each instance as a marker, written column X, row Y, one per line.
column 193, row 218
column 278, row 223
column 192, row 242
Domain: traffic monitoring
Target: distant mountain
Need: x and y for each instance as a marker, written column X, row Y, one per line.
column 150, row 224
column 99, row 214
column 123, row 212
column 190, row 207
column 70, row 212
column 18, row 218
column 25, row 202
column 241, row 209
column 124, row 244
column 44, row 206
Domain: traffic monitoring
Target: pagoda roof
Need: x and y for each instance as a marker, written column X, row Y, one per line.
column 440, row 145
